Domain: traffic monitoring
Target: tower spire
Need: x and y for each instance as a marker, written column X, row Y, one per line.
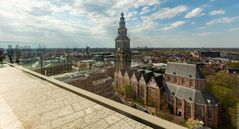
column 122, row 14
column 122, row 21
column 122, row 46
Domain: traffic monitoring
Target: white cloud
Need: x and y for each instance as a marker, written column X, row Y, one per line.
column 174, row 25
column 202, row 27
column 67, row 22
column 233, row 29
column 134, row 3
column 167, row 13
column 145, row 9
column 224, row 20
column 204, row 34
column 144, row 25
column 194, row 13
column 149, row 23
column 216, row 12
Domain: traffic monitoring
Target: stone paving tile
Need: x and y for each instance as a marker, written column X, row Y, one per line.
column 44, row 126
column 147, row 127
column 70, row 125
column 82, row 105
column 13, row 125
column 72, row 100
column 37, row 104
column 114, row 118
column 134, row 124
column 45, row 108
column 56, row 113
column 122, row 124
column 64, row 120
column 7, row 117
column 102, row 124
column 30, row 122
column 92, row 118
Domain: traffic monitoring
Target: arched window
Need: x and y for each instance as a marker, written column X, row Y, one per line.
column 190, row 82
column 175, row 79
column 179, row 103
column 168, row 78
column 210, row 112
column 183, row 81
column 200, row 111
column 188, row 109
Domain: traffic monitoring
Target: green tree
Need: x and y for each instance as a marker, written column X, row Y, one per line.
column 191, row 123
column 232, row 111
column 224, row 86
column 233, row 64
column 128, row 91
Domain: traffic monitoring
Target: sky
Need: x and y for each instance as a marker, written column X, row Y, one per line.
column 151, row 23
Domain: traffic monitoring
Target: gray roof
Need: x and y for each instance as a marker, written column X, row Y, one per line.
column 159, row 79
column 122, row 71
column 130, row 71
column 138, row 73
column 197, row 96
column 184, row 70
column 147, row 74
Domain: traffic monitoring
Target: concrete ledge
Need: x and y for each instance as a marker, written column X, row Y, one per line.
column 137, row 115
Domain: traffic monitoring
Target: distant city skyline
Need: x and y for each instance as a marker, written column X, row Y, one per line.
column 151, row 23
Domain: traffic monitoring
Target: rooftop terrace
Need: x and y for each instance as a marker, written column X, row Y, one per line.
column 33, row 101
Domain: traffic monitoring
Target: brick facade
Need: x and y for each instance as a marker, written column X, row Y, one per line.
column 151, row 92
column 147, row 91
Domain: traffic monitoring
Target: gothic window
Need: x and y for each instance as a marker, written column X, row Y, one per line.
column 171, row 100
column 199, row 111
column 142, row 91
column 210, row 112
column 190, row 82
column 175, row 79
column 179, row 103
column 188, row 109
column 168, row 78
column 183, row 81
column 150, row 92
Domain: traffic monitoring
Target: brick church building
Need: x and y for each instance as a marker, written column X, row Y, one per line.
column 182, row 89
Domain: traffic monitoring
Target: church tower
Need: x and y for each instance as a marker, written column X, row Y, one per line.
column 122, row 47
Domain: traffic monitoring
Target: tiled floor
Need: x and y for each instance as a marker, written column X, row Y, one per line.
column 31, row 103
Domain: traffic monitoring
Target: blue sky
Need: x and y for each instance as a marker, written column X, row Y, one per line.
column 152, row 23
